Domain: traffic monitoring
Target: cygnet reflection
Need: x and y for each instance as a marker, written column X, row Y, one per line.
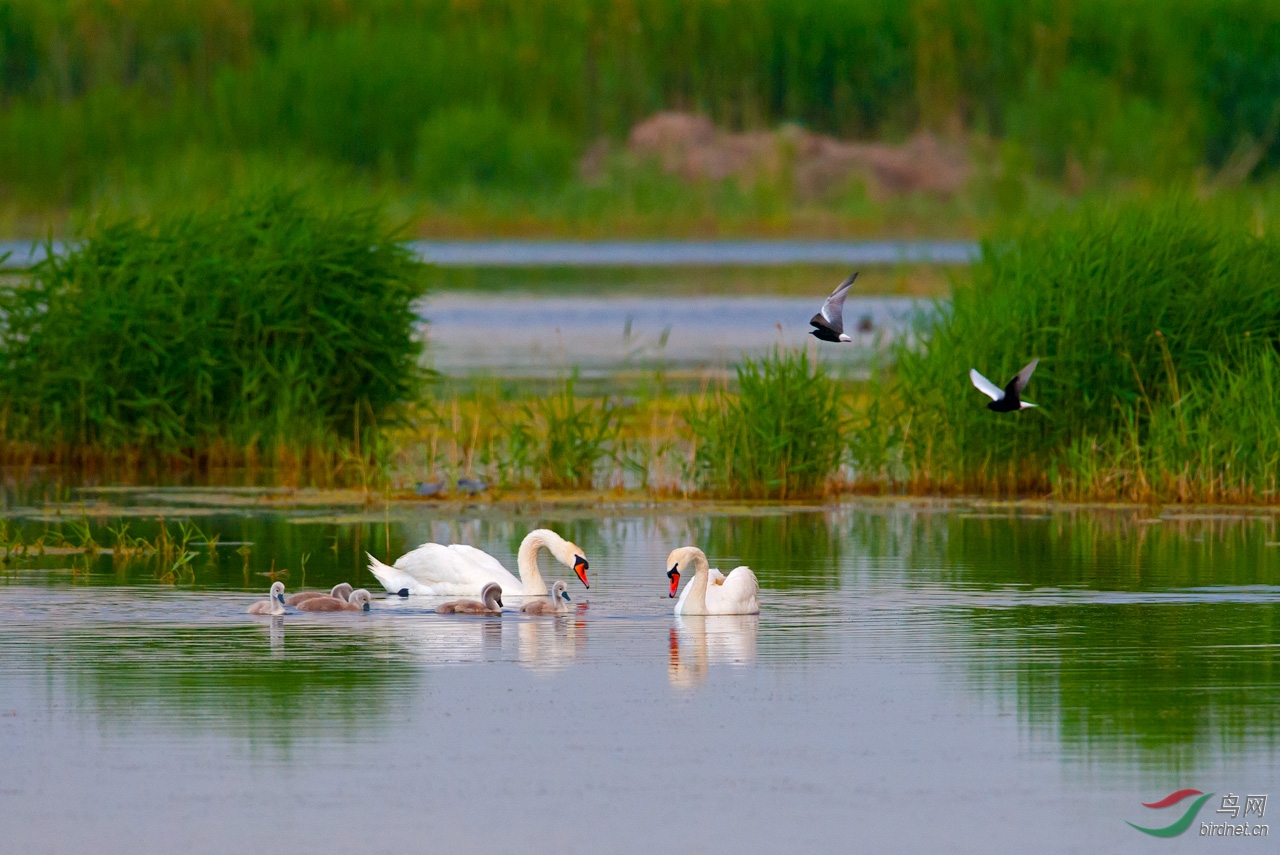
column 277, row 635
column 550, row 645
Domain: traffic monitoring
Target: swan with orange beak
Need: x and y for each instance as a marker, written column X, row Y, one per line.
column 456, row 569
column 734, row 594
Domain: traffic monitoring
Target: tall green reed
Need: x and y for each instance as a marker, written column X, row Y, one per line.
column 559, row 441
column 1218, row 439
column 261, row 323
column 1121, row 303
column 777, row 436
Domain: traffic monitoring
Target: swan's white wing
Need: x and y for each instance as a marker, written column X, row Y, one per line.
column 985, row 386
column 486, row 563
column 442, row 571
column 478, row 557
column 833, row 307
column 717, row 578
column 736, row 596
column 1024, row 376
column 394, row 579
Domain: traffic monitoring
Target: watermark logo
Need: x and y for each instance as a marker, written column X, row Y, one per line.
column 1181, row 824
column 1255, row 805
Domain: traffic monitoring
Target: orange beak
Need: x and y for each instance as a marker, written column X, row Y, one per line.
column 674, row 575
column 580, row 567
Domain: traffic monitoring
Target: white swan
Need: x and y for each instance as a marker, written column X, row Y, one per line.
column 456, row 570
column 273, row 605
column 736, row 595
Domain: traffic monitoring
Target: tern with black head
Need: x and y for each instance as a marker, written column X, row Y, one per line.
column 1009, row 398
column 829, row 323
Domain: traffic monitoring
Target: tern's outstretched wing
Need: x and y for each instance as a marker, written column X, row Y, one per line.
column 1024, row 376
column 985, row 386
column 833, row 308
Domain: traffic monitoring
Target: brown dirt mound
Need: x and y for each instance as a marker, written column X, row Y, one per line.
column 690, row 146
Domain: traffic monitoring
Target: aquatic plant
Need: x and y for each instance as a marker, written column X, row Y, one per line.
column 777, row 436
column 1218, row 440
column 560, row 439
column 1140, row 316
column 261, row 323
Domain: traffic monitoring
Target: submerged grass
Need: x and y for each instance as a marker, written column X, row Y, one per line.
column 263, row 326
column 170, row 552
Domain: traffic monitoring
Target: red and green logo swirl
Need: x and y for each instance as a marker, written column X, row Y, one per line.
column 1182, row 824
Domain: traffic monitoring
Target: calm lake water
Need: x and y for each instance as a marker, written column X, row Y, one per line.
column 633, row 253
column 922, row 677
column 543, row 335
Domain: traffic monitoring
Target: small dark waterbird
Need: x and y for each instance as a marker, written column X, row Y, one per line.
column 829, row 323
column 1010, row 398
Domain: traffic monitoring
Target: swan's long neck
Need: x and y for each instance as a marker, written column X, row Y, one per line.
column 696, row 601
column 527, row 561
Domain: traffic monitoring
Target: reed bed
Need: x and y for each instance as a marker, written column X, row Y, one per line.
column 263, row 328
column 778, row 435
column 1157, row 329
column 401, row 90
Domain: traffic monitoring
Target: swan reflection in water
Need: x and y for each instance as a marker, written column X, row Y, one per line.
column 541, row 644
column 695, row 643
column 276, row 635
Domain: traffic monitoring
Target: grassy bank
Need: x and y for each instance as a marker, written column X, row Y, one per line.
column 271, row 333
column 479, row 117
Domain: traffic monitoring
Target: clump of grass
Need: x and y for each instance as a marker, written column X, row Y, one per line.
column 778, row 436
column 560, row 440
column 1219, row 440
column 1127, row 307
column 262, row 323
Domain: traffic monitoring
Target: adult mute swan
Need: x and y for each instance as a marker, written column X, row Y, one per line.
column 434, row 569
column 273, row 605
column 736, row 595
column 492, row 605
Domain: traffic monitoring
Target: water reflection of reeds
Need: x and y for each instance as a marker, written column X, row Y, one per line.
column 276, row 683
column 1166, row 681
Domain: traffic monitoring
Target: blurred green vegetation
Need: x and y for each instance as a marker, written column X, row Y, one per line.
column 473, row 113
